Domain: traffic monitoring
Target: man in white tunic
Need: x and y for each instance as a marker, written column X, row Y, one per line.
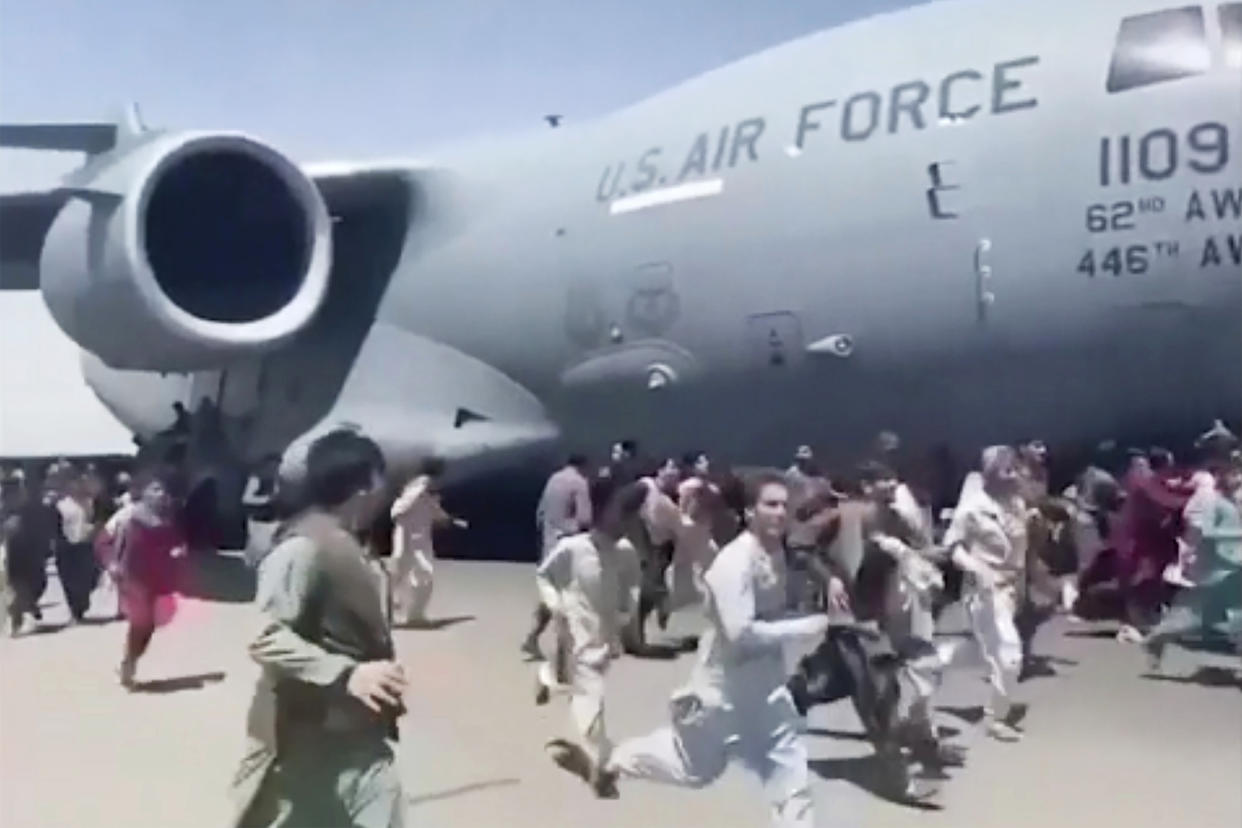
column 988, row 541
column 75, row 556
column 589, row 581
column 414, row 514
column 564, row 509
column 736, row 702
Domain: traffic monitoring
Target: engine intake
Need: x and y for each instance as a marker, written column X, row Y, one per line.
column 185, row 251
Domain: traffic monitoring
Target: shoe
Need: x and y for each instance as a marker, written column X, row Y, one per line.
column 920, row 791
column 798, row 692
column 1129, row 634
column 531, row 648
column 1017, row 712
column 902, row 786
column 1002, row 731
column 936, row 756
column 569, row 757
column 1035, row 668
column 542, row 693
column 604, row 783
column 126, row 674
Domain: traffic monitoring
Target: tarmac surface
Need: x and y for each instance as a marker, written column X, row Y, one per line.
column 1105, row 745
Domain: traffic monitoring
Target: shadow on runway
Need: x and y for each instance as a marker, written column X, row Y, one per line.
column 1214, row 643
column 99, row 620
column 655, row 652
column 220, row 577
column 1041, row 666
column 969, row 715
column 46, row 627
column 1090, row 633
column 1204, row 677
column 866, row 772
column 435, row 623
column 847, row 735
column 461, row 790
column 178, row 684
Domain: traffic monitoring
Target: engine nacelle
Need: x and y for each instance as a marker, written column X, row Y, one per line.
column 185, row 250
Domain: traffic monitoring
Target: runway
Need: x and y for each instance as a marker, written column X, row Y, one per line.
column 1103, row 746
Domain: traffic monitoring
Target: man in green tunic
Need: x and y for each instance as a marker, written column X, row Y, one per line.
column 324, row 712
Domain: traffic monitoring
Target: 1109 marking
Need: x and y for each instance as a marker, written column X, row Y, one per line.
column 1155, row 156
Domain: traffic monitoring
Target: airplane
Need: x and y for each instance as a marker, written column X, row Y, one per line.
column 968, row 222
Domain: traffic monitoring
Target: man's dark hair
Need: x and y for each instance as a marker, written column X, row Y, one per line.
column 622, row 472
column 339, row 465
column 630, row 447
column 654, row 467
column 600, row 490
column 1213, row 448
column 689, row 459
column 874, row 471
column 576, row 460
column 607, row 491
column 167, row 475
column 1160, row 458
column 756, row 482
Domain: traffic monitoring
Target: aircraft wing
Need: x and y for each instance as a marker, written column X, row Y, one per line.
column 91, row 138
column 24, row 221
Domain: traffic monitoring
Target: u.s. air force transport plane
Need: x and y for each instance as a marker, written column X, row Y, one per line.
column 965, row 221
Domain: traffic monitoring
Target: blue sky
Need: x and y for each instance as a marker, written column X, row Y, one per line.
column 327, row 79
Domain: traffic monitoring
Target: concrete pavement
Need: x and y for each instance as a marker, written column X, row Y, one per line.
column 1104, row 746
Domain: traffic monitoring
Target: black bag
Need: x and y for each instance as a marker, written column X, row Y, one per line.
column 858, row 663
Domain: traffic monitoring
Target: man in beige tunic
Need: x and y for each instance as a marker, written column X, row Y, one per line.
column 324, row 712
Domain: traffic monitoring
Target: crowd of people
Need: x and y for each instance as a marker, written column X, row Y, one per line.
column 848, row 572
column 118, row 542
column 860, row 564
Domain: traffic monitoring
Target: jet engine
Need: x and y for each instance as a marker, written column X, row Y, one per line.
column 182, row 250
